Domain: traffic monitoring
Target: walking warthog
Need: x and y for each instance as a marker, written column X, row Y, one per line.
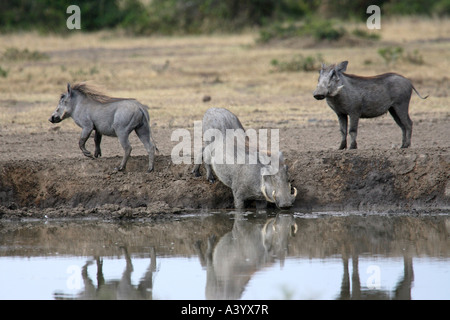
column 256, row 180
column 115, row 117
column 365, row 97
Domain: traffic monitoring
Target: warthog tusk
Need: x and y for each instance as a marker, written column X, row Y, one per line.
column 295, row 192
column 335, row 92
column 263, row 190
column 273, row 196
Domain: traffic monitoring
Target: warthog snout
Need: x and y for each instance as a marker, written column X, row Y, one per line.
column 284, row 203
column 319, row 96
column 319, row 93
column 54, row 119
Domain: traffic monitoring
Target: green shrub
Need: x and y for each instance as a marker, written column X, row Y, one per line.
column 441, row 8
column 279, row 31
column 414, row 57
column 199, row 16
column 391, row 54
column 317, row 28
column 364, row 34
column 3, row 72
column 323, row 30
column 298, row 63
column 14, row 54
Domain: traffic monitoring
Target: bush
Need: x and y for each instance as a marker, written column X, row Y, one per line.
column 415, row 57
column 317, row 28
column 14, row 54
column 441, row 8
column 299, row 63
column 3, row 72
column 279, row 31
column 202, row 16
column 390, row 55
column 324, row 30
column 156, row 16
column 364, row 34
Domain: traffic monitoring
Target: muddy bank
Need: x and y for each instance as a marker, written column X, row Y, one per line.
column 367, row 180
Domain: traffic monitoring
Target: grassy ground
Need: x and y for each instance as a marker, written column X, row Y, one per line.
column 173, row 74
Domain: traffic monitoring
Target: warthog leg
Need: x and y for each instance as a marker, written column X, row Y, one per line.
column 196, row 170
column 97, row 140
column 353, row 131
column 125, row 143
column 403, row 120
column 143, row 132
column 85, row 133
column 207, row 158
column 343, row 121
column 238, row 202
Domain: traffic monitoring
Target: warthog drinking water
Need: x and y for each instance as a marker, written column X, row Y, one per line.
column 259, row 180
column 365, row 97
column 115, row 117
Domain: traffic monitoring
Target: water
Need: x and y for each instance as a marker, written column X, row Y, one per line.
column 229, row 256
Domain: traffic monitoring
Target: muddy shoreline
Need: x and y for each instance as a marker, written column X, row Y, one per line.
column 373, row 180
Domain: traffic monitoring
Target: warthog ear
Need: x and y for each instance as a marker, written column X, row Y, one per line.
column 69, row 89
column 342, row 67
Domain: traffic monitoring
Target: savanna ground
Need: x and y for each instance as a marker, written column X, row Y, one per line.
column 43, row 171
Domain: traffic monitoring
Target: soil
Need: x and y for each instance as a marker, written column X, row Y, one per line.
column 45, row 175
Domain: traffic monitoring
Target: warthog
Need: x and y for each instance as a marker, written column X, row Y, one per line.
column 259, row 180
column 365, row 97
column 115, row 117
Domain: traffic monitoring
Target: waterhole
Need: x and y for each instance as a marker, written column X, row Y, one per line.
column 225, row 255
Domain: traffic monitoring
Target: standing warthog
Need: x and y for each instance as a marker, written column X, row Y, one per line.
column 114, row 117
column 259, row 180
column 365, row 97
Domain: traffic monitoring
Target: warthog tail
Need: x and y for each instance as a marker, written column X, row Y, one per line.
column 418, row 93
column 144, row 110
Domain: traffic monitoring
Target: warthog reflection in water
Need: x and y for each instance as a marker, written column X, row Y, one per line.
column 243, row 251
column 121, row 289
column 352, row 290
column 232, row 261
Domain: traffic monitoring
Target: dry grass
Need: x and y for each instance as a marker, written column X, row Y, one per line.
column 233, row 70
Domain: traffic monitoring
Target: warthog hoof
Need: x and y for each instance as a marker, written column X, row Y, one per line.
column 196, row 172
column 343, row 145
column 119, row 168
column 88, row 154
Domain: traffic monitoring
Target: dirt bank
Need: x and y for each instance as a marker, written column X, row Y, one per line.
column 45, row 174
column 374, row 179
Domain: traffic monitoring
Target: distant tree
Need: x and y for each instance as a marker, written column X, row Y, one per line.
column 194, row 16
